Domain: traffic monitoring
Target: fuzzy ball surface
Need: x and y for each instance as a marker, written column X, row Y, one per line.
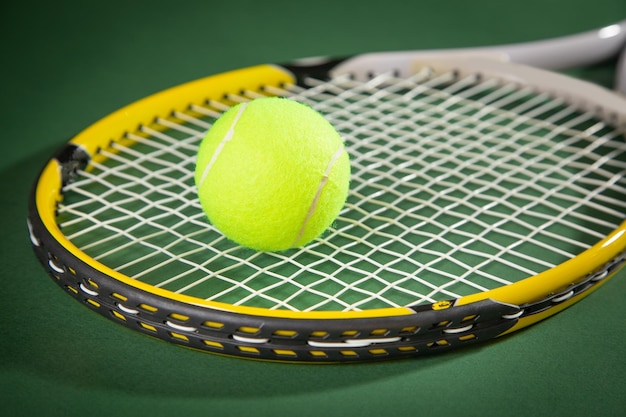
column 272, row 174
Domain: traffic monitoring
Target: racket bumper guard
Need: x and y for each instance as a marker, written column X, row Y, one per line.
column 71, row 158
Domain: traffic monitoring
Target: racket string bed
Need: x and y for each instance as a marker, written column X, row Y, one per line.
column 457, row 188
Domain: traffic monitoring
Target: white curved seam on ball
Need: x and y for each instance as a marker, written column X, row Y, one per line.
column 229, row 135
column 318, row 194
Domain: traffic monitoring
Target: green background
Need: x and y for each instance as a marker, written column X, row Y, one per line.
column 66, row 64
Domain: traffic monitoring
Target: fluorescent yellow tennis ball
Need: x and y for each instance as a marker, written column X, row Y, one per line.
column 272, row 174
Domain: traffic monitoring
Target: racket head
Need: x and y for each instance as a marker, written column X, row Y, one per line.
column 316, row 335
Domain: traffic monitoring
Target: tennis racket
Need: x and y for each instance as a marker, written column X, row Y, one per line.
column 486, row 196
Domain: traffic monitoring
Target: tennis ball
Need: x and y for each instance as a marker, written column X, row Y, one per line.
column 272, row 174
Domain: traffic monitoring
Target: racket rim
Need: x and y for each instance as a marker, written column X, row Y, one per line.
column 45, row 232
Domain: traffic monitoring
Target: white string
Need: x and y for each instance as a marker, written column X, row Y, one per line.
column 457, row 187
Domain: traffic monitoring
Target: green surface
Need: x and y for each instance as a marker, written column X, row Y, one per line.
column 67, row 64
